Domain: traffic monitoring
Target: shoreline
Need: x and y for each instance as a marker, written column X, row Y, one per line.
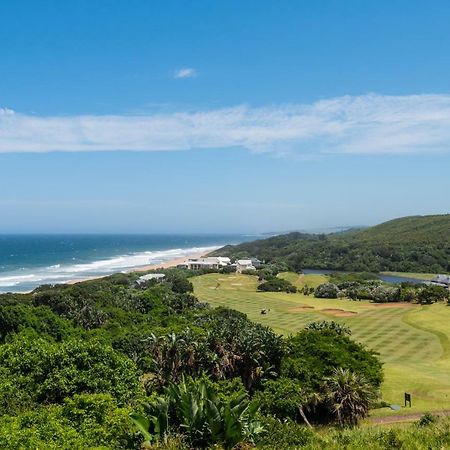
column 163, row 265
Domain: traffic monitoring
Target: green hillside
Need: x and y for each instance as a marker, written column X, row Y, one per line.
column 408, row 244
column 419, row 229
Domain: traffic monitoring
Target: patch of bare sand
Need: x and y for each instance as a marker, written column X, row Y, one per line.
column 300, row 308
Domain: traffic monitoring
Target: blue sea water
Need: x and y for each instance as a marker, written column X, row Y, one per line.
column 27, row 261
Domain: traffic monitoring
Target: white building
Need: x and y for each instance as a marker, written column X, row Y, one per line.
column 224, row 261
column 210, row 262
column 244, row 264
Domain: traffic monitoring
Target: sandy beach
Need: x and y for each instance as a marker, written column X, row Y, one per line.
column 163, row 265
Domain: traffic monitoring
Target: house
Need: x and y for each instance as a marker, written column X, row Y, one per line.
column 244, row 264
column 210, row 262
column 224, row 261
column 257, row 264
column 441, row 280
column 150, row 276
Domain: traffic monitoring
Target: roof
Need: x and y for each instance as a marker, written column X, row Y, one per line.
column 201, row 263
column 445, row 279
column 244, row 262
column 151, row 276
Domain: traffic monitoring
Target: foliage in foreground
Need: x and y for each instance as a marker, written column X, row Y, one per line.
column 75, row 361
column 289, row 435
column 195, row 410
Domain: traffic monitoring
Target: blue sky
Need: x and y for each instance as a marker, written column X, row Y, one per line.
column 175, row 116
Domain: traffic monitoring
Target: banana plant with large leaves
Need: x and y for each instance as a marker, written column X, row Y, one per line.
column 192, row 408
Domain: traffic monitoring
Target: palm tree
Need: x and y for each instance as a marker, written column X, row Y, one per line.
column 348, row 396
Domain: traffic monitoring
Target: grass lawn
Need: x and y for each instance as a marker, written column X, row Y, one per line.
column 413, row 341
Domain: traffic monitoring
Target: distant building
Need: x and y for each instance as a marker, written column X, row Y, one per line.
column 224, row 261
column 150, row 276
column 211, row 262
column 441, row 280
column 244, row 264
column 256, row 263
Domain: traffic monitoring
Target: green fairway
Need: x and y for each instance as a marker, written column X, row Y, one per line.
column 413, row 341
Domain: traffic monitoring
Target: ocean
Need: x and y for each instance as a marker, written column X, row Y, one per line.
column 27, row 261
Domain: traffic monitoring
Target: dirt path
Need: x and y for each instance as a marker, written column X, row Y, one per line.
column 405, row 417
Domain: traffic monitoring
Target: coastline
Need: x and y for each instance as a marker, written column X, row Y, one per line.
column 163, row 265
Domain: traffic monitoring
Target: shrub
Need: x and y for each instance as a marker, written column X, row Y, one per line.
column 87, row 421
column 433, row 293
column 193, row 408
column 282, row 398
column 427, row 419
column 49, row 372
column 326, row 325
column 277, row 285
column 326, row 290
column 313, row 355
column 287, row 435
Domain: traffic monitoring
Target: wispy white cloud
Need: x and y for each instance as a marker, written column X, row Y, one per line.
column 186, row 72
column 369, row 124
column 6, row 112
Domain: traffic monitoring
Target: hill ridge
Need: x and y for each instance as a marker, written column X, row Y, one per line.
column 407, row 244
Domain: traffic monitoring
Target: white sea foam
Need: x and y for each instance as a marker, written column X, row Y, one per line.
column 58, row 273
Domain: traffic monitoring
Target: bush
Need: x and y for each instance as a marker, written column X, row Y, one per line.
column 326, row 290
column 87, row 421
column 277, row 285
column 427, row 419
column 41, row 319
column 282, row 398
column 432, row 293
column 313, row 355
column 326, row 325
column 49, row 372
column 286, row 435
column 193, row 408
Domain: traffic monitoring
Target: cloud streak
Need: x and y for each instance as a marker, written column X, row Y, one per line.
column 186, row 72
column 369, row 124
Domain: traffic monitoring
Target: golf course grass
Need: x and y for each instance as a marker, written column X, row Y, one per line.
column 413, row 341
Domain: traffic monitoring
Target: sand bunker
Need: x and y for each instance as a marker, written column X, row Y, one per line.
column 301, row 308
column 338, row 312
column 236, row 284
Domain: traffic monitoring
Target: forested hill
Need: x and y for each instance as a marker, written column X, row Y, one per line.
column 408, row 244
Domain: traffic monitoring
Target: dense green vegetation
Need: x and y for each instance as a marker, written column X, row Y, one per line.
column 111, row 363
column 410, row 244
column 277, row 285
column 365, row 287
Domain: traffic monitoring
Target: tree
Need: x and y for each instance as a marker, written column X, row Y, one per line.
column 49, row 372
column 326, row 290
column 254, row 353
column 312, row 355
column 432, row 293
column 348, row 396
column 277, row 285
